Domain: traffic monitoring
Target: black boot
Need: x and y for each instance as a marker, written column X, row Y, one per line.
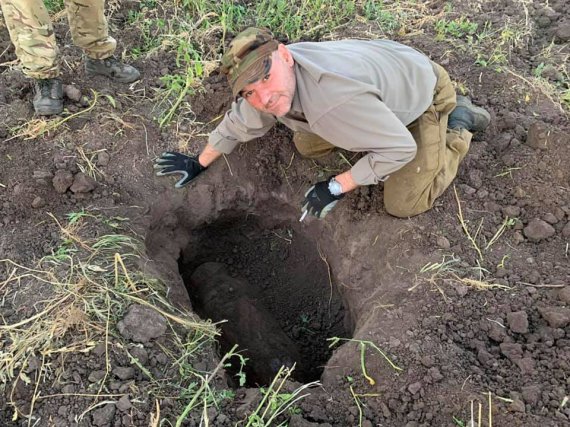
column 468, row 116
column 112, row 68
column 48, row 97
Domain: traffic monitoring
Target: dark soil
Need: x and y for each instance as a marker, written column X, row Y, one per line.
column 455, row 344
column 280, row 277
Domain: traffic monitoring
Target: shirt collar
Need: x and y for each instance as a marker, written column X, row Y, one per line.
column 296, row 104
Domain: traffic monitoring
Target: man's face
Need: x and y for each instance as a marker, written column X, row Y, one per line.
column 274, row 93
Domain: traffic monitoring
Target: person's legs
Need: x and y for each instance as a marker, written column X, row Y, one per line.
column 89, row 28
column 90, row 32
column 414, row 188
column 32, row 34
column 311, row 145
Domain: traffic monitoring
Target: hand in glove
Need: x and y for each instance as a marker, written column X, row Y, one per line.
column 319, row 200
column 170, row 163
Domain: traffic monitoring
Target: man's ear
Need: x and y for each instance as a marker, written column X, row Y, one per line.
column 285, row 54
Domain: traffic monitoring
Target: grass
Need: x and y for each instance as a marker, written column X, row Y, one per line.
column 294, row 20
column 492, row 46
column 472, row 238
column 82, row 291
column 358, row 405
column 364, row 345
column 450, row 270
column 178, row 86
column 87, row 163
column 480, row 284
column 303, row 19
column 54, row 6
column 475, row 236
column 187, row 30
column 507, row 223
column 446, row 265
column 439, row 271
column 204, row 394
column 507, row 172
column 276, row 401
column 457, row 28
column 477, row 414
column 37, row 128
column 151, row 34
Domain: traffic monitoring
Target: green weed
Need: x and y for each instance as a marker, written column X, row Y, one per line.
column 152, row 32
column 178, row 86
column 54, row 6
column 537, row 72
column 376, row 12
column 458, row 28
column 363, row 345
column 493, row 46
column 507, row 172
column 303, row 19
column 276, row 401
column 232, row 17
column 200, row 393
column 507, row 223
column 459, row 422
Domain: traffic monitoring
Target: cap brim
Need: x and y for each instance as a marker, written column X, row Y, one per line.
column 254, row 66
column 256, row 71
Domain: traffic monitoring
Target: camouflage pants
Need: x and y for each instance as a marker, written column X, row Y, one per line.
column 414, row 188
column 32, row 33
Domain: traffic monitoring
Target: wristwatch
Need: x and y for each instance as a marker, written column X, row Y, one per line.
column 334, row 187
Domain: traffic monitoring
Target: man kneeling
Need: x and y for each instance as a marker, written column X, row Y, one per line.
column 379, row 97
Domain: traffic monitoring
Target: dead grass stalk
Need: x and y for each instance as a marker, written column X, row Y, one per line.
column 82, row 290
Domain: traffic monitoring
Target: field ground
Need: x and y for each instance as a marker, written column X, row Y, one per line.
column 114, row 286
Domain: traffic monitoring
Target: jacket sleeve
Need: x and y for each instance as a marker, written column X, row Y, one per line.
column 365, row 124
column 240, row 124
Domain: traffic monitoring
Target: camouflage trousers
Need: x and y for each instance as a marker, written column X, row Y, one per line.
column 414, row 188
column 32, row 33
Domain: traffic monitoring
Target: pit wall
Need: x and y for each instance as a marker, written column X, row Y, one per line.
column 369, row 258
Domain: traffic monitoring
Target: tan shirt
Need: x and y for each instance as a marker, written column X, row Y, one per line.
column 357, row 95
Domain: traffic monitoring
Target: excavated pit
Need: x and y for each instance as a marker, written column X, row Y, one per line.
column 273, row 286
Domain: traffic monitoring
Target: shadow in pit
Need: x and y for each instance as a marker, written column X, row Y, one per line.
column 274, row 291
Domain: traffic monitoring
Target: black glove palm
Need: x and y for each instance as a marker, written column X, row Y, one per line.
column 171, row 162
column 319, row 201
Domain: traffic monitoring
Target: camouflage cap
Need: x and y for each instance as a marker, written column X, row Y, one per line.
column 248, row 57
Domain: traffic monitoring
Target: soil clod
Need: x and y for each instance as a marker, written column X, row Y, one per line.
column 142, row 324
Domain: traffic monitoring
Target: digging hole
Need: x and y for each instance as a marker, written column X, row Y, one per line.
column 272, row 286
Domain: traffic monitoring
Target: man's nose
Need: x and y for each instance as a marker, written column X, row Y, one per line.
column 264, row 96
